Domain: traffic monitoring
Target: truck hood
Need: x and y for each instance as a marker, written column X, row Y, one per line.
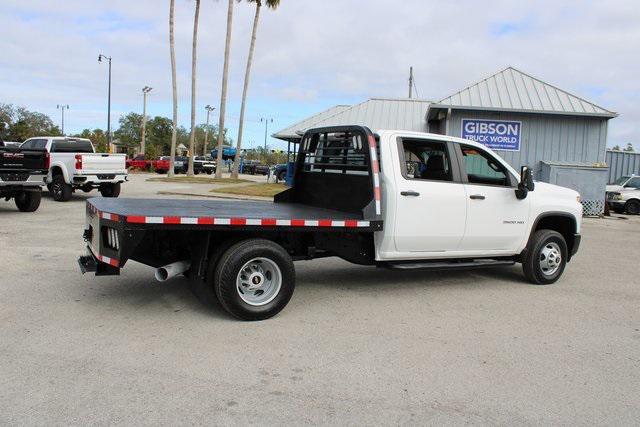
column 555, row 190
column 614, row 188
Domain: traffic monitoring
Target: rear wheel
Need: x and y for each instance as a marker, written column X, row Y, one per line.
column 110, row 190
column 28, row 201
column 60, row 190
column 546, row 257
column 254, row 279
column 632, row 207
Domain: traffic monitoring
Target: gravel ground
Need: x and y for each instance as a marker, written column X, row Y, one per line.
column 354, row 346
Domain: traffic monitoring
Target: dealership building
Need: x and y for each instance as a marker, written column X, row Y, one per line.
column 527, row 121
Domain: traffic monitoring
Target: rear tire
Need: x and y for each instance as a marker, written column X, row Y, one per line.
column 110, row 190
column 28, row 201
column 632, row 207
column 254, row 262
column 546, row 257
column 60, row 190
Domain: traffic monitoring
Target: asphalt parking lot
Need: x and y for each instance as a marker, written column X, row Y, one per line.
column 354, row 346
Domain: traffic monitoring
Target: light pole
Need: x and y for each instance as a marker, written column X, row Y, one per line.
column 209, row 109
column 62, row 107
column 108, row 58
column 145, row 91
column 266, row 126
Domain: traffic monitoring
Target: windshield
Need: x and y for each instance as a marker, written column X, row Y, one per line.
column 621, row 180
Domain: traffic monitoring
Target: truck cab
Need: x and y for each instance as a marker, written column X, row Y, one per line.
column 390, row 199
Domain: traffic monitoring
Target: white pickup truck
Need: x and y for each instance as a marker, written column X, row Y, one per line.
column 74, row 164
column 392, row 199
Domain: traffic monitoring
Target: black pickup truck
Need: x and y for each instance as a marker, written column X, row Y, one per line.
column 22, row 174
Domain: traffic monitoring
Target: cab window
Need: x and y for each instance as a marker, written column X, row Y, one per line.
column 482, row 168
column 633, row 183
column 428, row 160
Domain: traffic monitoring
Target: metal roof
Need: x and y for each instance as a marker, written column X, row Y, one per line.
column 513, row 90
column 375, row 113
column 291, row 131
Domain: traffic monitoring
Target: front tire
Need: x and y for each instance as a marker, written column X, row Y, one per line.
column 546, row 257
column 28, row 201
column 254, row 279
column 632, row 207
column 61, row 190
column 110, row 190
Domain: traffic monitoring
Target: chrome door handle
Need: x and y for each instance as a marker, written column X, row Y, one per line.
column 477, row 197
column 409, row 193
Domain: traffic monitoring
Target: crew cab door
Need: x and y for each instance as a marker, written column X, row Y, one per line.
column 430, row 201
column 496, row 219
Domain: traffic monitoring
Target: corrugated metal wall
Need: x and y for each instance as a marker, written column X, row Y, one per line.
column 546, row 137
column 622, row 163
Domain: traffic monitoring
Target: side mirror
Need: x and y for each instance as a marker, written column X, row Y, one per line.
column 526, row 183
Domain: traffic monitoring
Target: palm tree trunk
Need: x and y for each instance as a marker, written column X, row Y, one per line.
column 172, row 47
column 223, row 97
column 194, row 55
column 247, row 75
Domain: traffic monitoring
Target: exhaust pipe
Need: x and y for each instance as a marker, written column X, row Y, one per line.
column 171, row 270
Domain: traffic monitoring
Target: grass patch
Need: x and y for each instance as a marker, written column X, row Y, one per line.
column 261, row 190
column 198, row 180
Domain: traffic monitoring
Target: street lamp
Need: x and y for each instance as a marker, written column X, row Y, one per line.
column 145, row 91
column 108, row 58
column 209, row 109
column 266, row 125
column 62, row 107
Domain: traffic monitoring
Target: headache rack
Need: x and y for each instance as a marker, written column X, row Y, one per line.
column 338, row 168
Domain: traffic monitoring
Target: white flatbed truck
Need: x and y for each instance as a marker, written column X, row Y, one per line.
column 391, row 199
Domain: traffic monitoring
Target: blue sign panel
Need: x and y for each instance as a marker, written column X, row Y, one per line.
column 495, row 134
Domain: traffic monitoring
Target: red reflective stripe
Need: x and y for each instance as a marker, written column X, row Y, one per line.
column 238, row 221
column 351, row 223
column 171, row 220
column 205, row 221
column 268, row 221
column 324, row 223
column 297, row 222
column 137, row 219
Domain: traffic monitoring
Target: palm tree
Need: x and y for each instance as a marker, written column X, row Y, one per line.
column 194, row 54
column 223, row 96
column 272, row 4
column 172, row 47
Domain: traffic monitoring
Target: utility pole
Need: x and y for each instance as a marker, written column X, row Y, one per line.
column 62, row 107
column 266, row 126
column 209, row 109
column 410, row 82
column 143, row 140
column 108, row 58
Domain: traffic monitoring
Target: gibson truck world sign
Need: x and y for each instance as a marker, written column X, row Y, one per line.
column 495, row 134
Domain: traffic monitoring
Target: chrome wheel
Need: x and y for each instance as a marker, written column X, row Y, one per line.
column 259, row 281
column 550, row 258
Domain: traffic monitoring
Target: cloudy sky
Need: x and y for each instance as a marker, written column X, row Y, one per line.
column 313, row 54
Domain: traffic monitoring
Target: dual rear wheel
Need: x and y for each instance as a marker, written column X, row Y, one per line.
column 253, row 279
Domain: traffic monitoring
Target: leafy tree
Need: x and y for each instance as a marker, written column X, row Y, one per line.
column 18, row 124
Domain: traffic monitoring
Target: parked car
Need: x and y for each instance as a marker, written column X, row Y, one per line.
column 179, row 165
column 74, row 165
column 204, row 164
column 627, row 181
column 22, row 174
column 463, row 207
column 280, row 172
column 254, row 167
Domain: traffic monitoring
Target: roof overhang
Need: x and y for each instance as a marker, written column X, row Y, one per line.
column 435, row 108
